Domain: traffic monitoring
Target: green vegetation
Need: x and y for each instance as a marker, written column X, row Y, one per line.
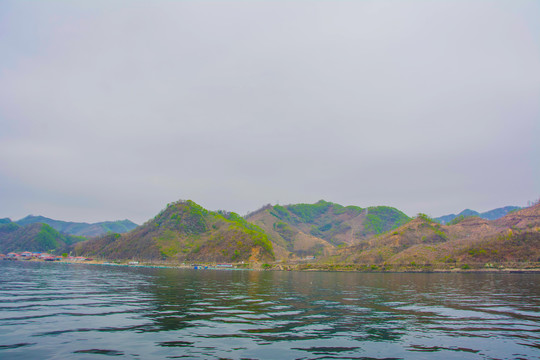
column 325, row 227
column 169, row 244
column 260, row 238
column 33, row 237
column 439, row 233
column 47, row 237
column 460, row 218
column 122, row 226
column 80, row 229
column 281, row 213
column 339, row 209
column 9, row 227
column 309, row 212
column 286, row 232
column 337, row 225
column 314, row 230
column 425, row 217
column 186, row 217
column 186, row 231
column 477, row 252
column 353, row 210
column 384, row 218
column 243, row 223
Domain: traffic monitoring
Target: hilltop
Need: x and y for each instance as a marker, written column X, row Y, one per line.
column 299, row 230
column 36, row 237
column 185, row 231
column 81, row 228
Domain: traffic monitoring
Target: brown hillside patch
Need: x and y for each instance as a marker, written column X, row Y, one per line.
column 523, row 219
column 379, row 249
column 289, row 240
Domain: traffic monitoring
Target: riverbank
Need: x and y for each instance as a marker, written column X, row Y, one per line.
column 361, row 268
column 422, row 268
column 509, row 267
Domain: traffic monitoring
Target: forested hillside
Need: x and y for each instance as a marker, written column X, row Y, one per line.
column 185, row 231
column 33, row 237
column 299, row 230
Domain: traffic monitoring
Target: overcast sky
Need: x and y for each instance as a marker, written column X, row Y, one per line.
column 112, row 109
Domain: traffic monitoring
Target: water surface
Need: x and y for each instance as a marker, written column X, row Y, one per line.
column 55, row 310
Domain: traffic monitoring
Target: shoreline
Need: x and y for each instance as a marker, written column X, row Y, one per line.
column 351, row 268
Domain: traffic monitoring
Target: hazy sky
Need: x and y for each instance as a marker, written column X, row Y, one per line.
column 112, row 109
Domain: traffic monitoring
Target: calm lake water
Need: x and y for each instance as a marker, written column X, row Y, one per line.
column 54, row 310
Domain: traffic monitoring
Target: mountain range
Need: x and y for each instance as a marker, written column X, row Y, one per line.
column 35, row 237
column 325, row 232
column 81, row 228
column 470, row 240
column 39, row 233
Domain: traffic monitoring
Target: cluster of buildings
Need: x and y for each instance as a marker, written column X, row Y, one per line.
column 27, row 255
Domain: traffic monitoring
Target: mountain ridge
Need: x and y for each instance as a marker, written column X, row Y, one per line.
column 488, row 215
column 36, row 237
column 81, row 228
column 321, row 232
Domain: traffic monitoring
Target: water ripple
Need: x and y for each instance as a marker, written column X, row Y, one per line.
column 79, row 311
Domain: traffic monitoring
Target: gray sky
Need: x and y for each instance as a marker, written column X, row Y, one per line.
column 112, row 109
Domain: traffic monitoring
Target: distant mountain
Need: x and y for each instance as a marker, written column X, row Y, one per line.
column 488, row 215
column 33, row 237
column 300, row 230
column 185, row 231
column 499, row 213
column 80, row 228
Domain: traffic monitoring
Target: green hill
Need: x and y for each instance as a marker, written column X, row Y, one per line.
column 185, row 231
column 81, row 228
column 33, row 237
column 316, row 229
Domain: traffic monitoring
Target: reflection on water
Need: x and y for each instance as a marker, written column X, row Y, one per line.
column 88, row 312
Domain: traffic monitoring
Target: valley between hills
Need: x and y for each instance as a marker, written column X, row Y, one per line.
column 320, row 236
